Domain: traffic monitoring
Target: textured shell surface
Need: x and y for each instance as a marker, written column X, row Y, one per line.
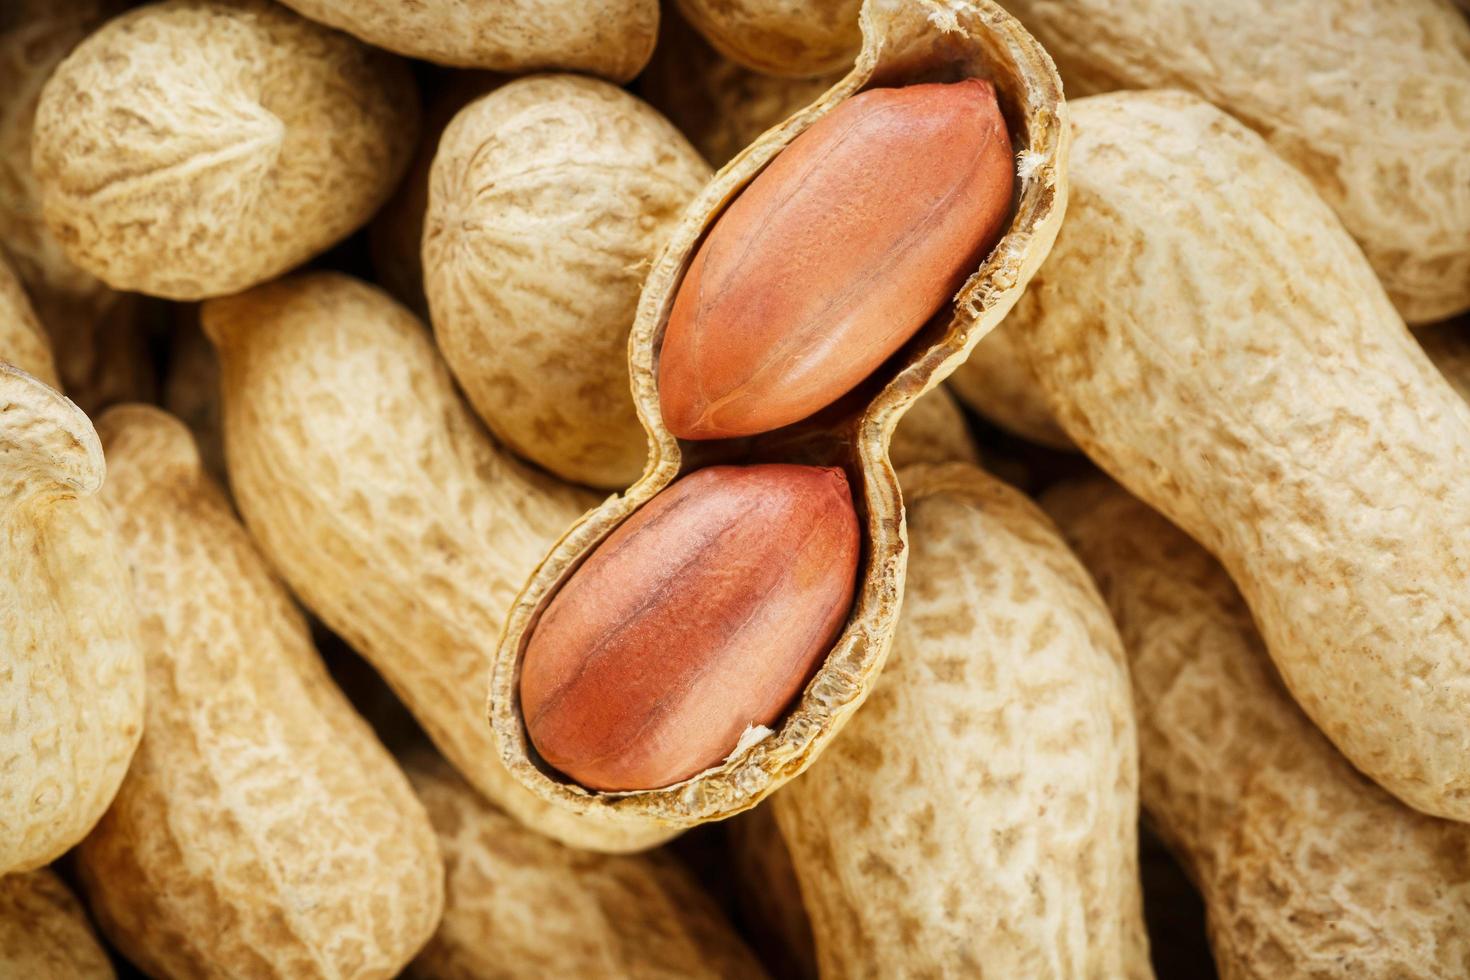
column 548, row 200
column 1369, row 98
column 979, row 815
column 521, row 904
column 71, row 667
column 258, row 797
column 780, row 37
column 394, row 518
column 997, row 382
column 193, row 147
column 904, row 43
column 22, row 340
column 1308, row 869
column 44, row 933
column 720, row 105
column 1207, row 332
column 608, row 38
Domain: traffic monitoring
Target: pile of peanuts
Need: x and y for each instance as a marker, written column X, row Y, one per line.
column 734, row 489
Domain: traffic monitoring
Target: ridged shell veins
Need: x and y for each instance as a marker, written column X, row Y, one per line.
column 853, row 237
column 706, row 612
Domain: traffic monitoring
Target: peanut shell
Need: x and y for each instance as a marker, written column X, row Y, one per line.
column 780, row 37
column 193, row 148
column 391, row 515
column 518, row 904
column 258, row 798
column 548, row 199
column 979, row 817
column 933, row 430
column 1369, row 98
column 904, row 43
column 1209, row 334
column 997, row 383
column 1307, row 868
column 71, row 687
column 44, row 933
column 22, row 341
column 610, row 38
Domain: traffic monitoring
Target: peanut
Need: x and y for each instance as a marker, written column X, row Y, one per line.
column 193, row 148
column 1308, row 869
column 1370, row 99
column 611, row 38
column 258, row 798
column 71, row 688
column 1209, row 334
column 44, row 932
column 547, row 200
column 701, row 616
column 903, row 43
column 720, row 105
column 394, row 518
column 933, row 430
column 978, row 817
column 835, row 256
column 780, row 37
column 518, row 903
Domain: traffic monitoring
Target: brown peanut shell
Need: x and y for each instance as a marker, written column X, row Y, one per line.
column 903, row 43
column 1369, row 98
column 1210, row 335
column 979, row 816
column 71, row 666
column 520, row 905
column 377, row 495
column 797, row 38
column 1308, row 869
column 609, row 38
column 262, row 829
column 548, row 199
column 22, row 340
column 44, row 932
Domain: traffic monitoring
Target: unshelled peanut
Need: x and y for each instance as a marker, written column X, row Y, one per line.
column 834, row 256
column 700, row 617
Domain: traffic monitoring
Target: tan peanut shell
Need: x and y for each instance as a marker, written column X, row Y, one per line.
column 548, row 200
column 1207, row 332
column 22, row 341
column 378, row 497
column 71, row 687
column 933, row 430
column 780, row 37
column 518, row 904
column 193, row 148
column 44, row 933
column 997, row 383
column 1308, row 869
column 978, row 818
column 904, row 42
column 720, row 105
column 1369, row 98
column 610, row 38
column 262, row 829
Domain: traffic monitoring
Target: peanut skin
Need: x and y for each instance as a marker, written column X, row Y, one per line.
column 703, row 614
column 834, row 257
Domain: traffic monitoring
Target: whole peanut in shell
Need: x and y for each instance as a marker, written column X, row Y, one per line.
column 780, row 37
column 978, row 816
column 44, row 933
column 834, row 256
column 518, row 903
column 700, row 617
column 1370, row 99
column 394, row 518
column 1209, row 334
column 548, row 199
column 611, row 38
column 258, row 797
column 193, row 148
column 1308, row 869
column 71, row 689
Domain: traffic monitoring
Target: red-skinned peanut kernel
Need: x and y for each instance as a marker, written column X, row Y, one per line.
column 707, row 611
column 834, row 256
